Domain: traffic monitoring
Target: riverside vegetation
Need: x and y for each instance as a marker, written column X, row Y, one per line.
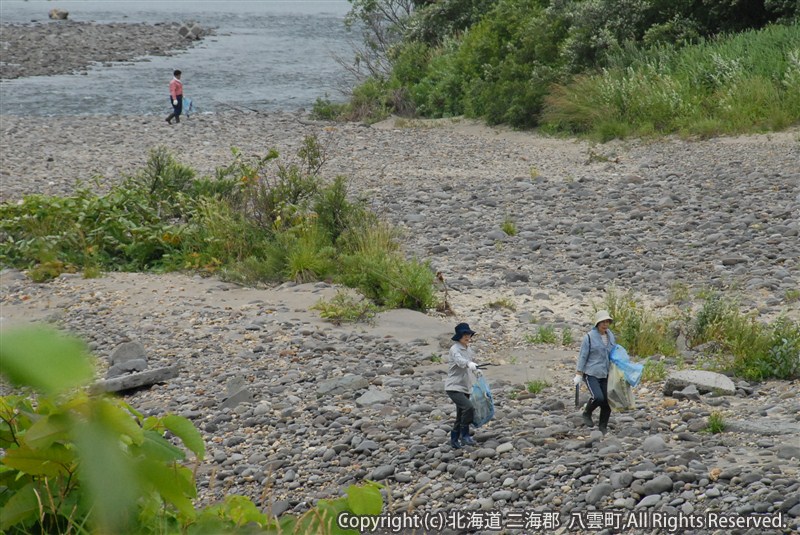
column 255, row 222
column 264, row 221
column 605, row 69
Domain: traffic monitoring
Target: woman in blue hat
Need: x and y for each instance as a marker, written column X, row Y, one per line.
column 458, row 384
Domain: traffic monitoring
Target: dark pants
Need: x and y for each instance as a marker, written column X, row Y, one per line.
column 177, row 110
column 598, row 388
column 464, row 409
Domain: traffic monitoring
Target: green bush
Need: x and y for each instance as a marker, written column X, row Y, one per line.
column 78, row 463
column 654, row 370
column 326, row 110
column 745, row 346
column 497, row 60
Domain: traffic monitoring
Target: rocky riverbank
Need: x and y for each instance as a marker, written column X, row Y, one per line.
column 64, row 47
column 293, row 408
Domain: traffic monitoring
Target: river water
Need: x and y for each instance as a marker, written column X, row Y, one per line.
column 265, row 55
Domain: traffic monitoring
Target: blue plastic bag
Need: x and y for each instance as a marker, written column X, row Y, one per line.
column 631, row 370
column 188, row 106
column 482, row 402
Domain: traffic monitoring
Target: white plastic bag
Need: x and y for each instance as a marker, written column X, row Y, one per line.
column 620, row 394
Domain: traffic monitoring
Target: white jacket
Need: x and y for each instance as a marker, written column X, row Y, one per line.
column 459, row 378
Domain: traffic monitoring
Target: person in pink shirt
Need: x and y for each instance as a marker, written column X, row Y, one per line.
column 175, row 97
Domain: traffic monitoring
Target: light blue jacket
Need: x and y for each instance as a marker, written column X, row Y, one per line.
column 594, row 356
column 459, row 378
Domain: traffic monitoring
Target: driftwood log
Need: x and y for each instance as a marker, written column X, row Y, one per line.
column 135, row 380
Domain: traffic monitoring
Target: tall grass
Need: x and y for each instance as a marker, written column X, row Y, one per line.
column 635, row 327
column 259, row 221
column 734, row 84
column 739, row 343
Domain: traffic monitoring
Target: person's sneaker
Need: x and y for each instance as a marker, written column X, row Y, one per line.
column 603, row 429
column 587, row 419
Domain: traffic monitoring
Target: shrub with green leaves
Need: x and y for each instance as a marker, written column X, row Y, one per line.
column 741, row 344
column 260, row 220
column 78, row 463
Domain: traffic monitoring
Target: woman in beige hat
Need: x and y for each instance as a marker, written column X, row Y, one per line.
column 593, row 363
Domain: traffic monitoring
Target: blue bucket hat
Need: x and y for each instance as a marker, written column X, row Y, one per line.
column 461, row 330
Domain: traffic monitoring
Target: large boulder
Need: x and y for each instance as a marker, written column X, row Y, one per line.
column 373, row 397
column 341, row 385
column 704, row 381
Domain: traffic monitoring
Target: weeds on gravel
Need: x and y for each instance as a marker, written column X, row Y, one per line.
column 732, row 341
column 259, row 220
column 740, row 344
column 509, row 227
column 716, row 424
column 535, row 387
column 505, row 302
column 635, row 327
column 345, row 308
column 745, row 82
column 545, row 334
column 654, row 370
column 80, row 463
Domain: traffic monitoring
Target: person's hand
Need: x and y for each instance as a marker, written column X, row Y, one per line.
column 577, row 379
column 472, row 366
column 175, row 102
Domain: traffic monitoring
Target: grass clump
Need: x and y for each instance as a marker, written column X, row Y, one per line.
column 345, row 308
column 509, row 227
column 260, row 220
column 545, row 334
column 535, row 387
column 716, row 424
column 566, row 337
column 747, row 82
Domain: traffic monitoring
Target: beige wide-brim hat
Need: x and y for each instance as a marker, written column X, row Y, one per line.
column 602, row 315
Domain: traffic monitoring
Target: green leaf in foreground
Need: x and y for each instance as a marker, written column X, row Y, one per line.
column 44, row 360
column 184, row 429
column 366, row 500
